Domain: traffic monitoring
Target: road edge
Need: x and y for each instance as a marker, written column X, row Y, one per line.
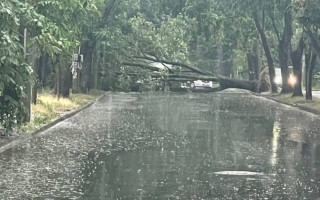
column 303, row 108
column 26, row 136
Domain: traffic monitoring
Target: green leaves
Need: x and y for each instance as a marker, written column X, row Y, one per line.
column 14, row 73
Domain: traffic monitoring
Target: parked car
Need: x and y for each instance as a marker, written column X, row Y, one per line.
column 199, row 84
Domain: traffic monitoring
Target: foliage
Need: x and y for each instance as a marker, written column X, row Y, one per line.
column 14, row 72
column 52, row 29
column 123, row 83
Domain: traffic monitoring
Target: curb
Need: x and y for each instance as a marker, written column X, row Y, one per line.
column 27, row 136
column 310, row 110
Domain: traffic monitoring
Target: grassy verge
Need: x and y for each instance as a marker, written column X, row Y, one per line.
column 49, row 107
column 298, row 101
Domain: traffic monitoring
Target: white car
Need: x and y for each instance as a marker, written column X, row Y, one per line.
column 201, row 84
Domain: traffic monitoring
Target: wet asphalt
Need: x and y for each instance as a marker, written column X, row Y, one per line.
column 225, row 145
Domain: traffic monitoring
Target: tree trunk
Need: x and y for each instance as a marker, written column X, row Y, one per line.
column 85, row 73
column 225, row 82
column 76, row 82
column 35, row 86
column 311, row 59
column 285, row 50
column 32, row 61
column 256, row 59
column 104, row 66
column 283, row 61
column 296, row 58
column 63, row 79
column 220, row 59
column 227, row 67
column 95, row 68
column 267, row 52
column 66, row 79
column 253, row 62
column 43, row 69
column 250, row 66
column 57, row 80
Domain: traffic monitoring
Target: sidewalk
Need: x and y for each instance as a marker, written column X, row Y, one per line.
column 312, row 106
column 14, row 138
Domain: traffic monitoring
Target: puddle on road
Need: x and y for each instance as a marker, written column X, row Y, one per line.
column 239, row 173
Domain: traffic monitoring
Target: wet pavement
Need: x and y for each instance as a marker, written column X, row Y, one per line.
column 227, row 145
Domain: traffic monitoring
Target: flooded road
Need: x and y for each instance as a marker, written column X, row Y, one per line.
column 227, row 145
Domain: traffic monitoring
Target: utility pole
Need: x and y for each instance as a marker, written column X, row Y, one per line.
column 27, row 100
column 304, row 81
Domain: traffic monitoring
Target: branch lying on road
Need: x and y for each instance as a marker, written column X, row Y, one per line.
column 225, row 82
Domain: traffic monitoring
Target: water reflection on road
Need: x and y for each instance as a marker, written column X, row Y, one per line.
column 228, row 145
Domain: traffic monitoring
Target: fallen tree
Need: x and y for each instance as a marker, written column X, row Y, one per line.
column 224, row 82
column 144, row 66
column 196, row 74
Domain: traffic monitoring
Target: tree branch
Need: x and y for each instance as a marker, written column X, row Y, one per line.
column 158, row 60
column 275, row 28
column 194, row 69
column 107, row 14
column 315, row 42
column 225, row 82
column 141, row 66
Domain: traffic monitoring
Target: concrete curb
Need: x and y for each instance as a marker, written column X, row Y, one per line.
column 27, row 136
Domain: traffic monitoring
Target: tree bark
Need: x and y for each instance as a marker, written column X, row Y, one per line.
column 267, row 52
column 296, row 58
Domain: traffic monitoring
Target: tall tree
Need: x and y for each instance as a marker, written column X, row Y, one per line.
column 266, row 50
column 284, row 40
column 296, row 57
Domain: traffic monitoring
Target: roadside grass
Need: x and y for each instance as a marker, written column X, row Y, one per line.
column 49, row 107
column 301, row 101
